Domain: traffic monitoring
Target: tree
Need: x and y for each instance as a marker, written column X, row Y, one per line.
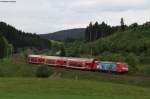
column 3, row 47
column 122, row 24
column 62, row 51
column 134, row 25
column 90, row 32
column 43, row 72
column 21, row 40
column 96, row 30
column 87, row 35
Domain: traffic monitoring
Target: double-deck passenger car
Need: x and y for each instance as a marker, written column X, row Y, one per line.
column 78, row 63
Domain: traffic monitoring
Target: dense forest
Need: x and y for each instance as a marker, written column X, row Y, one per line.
column 13, row 40
column 96, row 30
column 20, row 39
column 123, row 40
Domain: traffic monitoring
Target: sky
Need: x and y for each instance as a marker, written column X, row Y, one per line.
column 47, row 16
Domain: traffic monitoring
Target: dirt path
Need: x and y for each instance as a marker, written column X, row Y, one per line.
column 17, row 59
column 55, row 75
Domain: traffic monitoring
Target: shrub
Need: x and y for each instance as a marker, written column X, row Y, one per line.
column 145, row 59
column 107, row 56
column 1, row 73
column 4, row 46
column 43, row 71
column 133, row 61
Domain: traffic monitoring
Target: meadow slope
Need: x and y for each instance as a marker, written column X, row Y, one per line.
column 36, row 88
column 18, row 81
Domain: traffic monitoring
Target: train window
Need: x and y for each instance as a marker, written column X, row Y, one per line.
column 64, row 62
column 88, row 63
column 113, row 67
column 105, row 66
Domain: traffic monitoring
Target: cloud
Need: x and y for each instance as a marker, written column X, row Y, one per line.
column 42, row 16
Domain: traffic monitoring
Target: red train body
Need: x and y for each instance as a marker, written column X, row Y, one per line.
column 78, row 63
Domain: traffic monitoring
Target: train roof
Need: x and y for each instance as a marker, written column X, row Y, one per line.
column 69, row 58
column 50, row 56
column 82, row 59
column 106, row 62
column 34, row 55
column 112, row 62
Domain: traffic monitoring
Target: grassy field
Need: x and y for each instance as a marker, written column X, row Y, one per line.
column 36, row 88
column 18, row 81
column 8, row 68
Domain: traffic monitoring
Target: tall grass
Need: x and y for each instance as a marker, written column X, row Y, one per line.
column 10, row 69
column 35, row 88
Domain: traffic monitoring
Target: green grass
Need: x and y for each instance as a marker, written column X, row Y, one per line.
column 18, row 82
column 10, row 69
column 36, row 88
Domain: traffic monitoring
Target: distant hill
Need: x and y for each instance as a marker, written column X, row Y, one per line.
column 65, row 34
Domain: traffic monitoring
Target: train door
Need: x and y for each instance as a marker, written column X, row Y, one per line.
column 119, row 67
column 113, row 67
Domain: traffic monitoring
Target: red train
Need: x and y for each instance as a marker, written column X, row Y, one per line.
column 78, row 63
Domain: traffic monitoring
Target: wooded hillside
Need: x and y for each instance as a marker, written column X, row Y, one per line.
column 20, row 39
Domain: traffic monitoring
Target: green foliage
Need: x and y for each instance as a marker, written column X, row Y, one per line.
column 1, row 73
column 133, row 61
column 26, row 52
column 132, row 45
column 20, row 39
column 145, row 59
column 3, row 45
column 134, row 25
column 63, row 51
column 9, row 68
column 122, row 24
column 43, row 72
column 76, row 49
column 5, row 48
column 130, row 40
column 107, row 56
column 96, row 31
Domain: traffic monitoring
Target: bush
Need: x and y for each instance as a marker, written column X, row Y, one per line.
column 4, row 46
column 43, row 72
column 133, row 61
column 1, row 73
column 145, row 59
column 107, row 56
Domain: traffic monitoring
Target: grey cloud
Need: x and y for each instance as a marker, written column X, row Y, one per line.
column 44, row 16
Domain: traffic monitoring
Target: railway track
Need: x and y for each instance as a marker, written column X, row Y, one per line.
column 17, row 59
column 103, row 73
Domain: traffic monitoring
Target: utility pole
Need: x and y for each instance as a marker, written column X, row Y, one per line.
column 91, row 41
